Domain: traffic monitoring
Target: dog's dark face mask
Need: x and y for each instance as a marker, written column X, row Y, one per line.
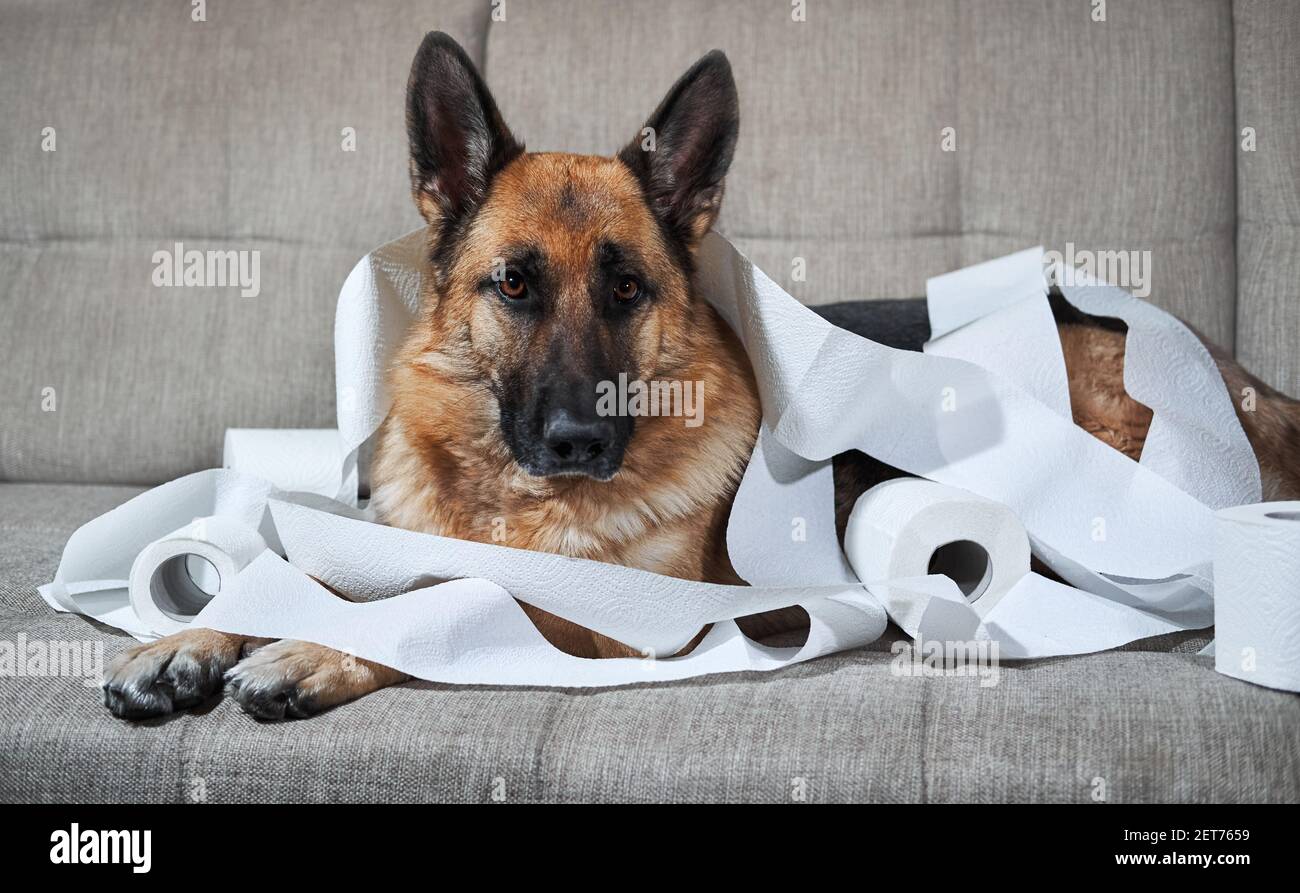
column 564, row 272
column 552, row 418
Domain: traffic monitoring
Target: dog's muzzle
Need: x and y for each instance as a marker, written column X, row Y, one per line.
column 566, row 436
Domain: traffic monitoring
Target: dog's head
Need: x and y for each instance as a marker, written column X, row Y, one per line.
column 558, row 272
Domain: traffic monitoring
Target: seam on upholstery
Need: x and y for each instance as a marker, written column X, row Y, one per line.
column 954, row 53
column 1236, row 182
column 483, row 41
column 883, row 237
column 1220, row 229
column 57, row 238
column 925, row 738
column 1271, row 223
column 228, row 181
column 537, row 759
column 185, row 763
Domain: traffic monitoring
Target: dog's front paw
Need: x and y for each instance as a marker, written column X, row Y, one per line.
column 294, row 680
column 171, row 674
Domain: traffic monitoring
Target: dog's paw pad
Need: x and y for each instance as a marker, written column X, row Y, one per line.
column 162, row 677
column 278, row 682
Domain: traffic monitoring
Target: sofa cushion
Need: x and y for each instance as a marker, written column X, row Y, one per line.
column 35, row 523
column 223, row 135
column 1152, row 727
column 848, row 727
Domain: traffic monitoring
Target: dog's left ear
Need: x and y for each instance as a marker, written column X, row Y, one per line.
column 682, row 154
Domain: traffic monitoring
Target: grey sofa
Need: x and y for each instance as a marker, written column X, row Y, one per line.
column 1127, row 133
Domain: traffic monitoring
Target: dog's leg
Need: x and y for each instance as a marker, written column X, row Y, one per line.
column 291, row 679
column 173, row 673
column 270, row 679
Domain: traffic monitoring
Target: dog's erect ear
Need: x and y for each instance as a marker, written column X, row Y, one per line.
column 683, row 153
column 458, row 140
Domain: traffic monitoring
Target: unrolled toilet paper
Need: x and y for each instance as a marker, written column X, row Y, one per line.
column 94, row 575
column 1135, row 538
column 1257, row 594
column 174, row 578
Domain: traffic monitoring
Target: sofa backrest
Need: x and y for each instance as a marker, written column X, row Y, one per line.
column 278, row 128
column 224, row 134
column 1267, row 55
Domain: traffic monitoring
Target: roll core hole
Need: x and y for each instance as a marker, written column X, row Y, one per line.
column 183, row 584
column 967, row 564
column 1284, row 516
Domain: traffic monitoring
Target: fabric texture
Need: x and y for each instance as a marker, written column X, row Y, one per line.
column 1153, row 722
column 1113, row 135
column 223, row 135
column 1268, row 190
column 229, row 135
column 35, row 523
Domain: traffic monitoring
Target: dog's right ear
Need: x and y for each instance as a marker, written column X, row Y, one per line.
column 458, row 139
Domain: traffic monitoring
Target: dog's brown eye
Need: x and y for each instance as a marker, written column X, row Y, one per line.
column 627, row 290
column 512, row 286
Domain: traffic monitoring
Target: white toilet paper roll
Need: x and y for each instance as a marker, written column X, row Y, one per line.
column 304, row 460
column 174, row 577
column 910, row 527
column 1257, row 593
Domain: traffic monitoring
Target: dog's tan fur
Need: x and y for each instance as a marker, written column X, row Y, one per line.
column 1094, row 362
column 443, row 466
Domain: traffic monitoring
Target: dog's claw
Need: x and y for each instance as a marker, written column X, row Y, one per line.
column 269, row 700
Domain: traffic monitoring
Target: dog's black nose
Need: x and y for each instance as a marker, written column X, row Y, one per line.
column 574, row 441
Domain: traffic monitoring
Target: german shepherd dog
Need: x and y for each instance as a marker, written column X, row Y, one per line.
column 552, row 273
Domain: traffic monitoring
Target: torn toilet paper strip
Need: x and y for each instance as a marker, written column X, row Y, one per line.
column 95, row 569
column 224, row 510
column 472, row 631
column 824, row 390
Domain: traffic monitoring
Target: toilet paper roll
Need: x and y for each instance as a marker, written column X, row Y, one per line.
column 910, row 527
column 1257, row 593
column 173, row 578
column 304, row 460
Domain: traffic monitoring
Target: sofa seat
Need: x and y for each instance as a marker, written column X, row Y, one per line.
column 1152, row 722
